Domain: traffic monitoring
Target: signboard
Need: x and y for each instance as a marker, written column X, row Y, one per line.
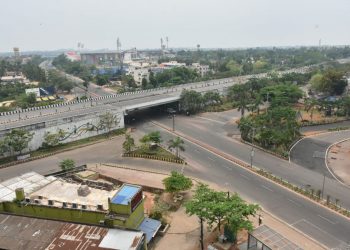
column 136, row 200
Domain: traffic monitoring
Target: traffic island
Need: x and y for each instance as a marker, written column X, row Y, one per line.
column 154, row 153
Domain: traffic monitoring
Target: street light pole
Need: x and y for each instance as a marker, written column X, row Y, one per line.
column 252, row 150
column 173, row 122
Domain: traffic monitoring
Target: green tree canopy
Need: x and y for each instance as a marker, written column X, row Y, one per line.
column 176, row 183
column 191, row 101
column 129, row 143
column 67, row 164
column 17, row 140
column 177, row 144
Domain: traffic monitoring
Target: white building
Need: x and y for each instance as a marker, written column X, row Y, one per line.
column 139, row 71
column 172, row 64
column 202, row 70
column 12, row 77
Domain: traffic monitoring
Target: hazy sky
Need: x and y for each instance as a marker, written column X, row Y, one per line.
column 56, row 24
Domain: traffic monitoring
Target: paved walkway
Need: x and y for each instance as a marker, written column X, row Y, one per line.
column 338, row 160
column 125, row 174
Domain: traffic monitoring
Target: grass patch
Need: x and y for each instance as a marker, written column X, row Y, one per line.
column 156, row 151
column 219, row 108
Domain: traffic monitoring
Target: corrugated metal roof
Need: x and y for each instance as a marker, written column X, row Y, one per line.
column 150, row 227
column 127, row 240
column 79, row 237
column 272, row 239
column 18, row 232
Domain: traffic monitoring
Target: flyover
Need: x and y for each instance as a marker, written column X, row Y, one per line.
column 124, row 101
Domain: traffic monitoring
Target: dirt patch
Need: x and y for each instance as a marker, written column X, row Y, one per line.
column 338, row 160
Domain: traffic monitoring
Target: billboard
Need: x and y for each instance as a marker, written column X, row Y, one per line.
column 36, row 91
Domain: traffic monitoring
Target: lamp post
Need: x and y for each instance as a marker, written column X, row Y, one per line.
column 173, row 115
column 252, row 150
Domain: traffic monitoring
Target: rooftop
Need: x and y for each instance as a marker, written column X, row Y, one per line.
column 61, row 191
column 125, row 194
column 30, row 182
column 272, row 239
column 17, row 232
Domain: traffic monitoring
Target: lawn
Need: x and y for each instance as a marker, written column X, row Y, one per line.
column 156, row 151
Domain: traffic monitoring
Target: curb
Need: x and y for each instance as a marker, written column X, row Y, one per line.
column 165, row 159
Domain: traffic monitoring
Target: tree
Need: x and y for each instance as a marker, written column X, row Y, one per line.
column 152, row 137
column 53, row 139
column 345, row 103
column 17, row 140
column 101, row 80
column 108, row 121
column 26, row 100
column 211, row 97
column 240, row 96
column 177, row 144
column 310, row 105
column 238, row 215
column 215, row 206
column 281, row 94
column 67, row 164
column 176, row 183
column 129, row 143
column 191, row 101
column 129, row 81
column 198, row 205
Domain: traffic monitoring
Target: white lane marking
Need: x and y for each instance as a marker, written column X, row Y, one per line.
column 204, row 118
column 245, row 177
column 294, row 202
column 211, row 158
column 328, row 220
column 308, row 222
column 267, row 188
column 294, row 223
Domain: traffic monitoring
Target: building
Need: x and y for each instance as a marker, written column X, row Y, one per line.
column 13, row 77
column 172, row 64
column 19, row 232
column 72, row 56
column 139, row 71
column 202, row 70
column 101, row 58
column 78, row 200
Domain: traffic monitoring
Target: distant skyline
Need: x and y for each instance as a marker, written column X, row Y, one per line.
column 61, row 24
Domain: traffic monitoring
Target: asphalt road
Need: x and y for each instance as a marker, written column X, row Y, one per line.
column 312, row 219
column 212, row 130
column 310, row 152
column 319, row 223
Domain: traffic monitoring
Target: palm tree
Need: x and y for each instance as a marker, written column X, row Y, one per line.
column 129, row 143
column 177, row 144
column 241, row 97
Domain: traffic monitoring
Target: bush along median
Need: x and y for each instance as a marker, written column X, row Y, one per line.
column 311, row 193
